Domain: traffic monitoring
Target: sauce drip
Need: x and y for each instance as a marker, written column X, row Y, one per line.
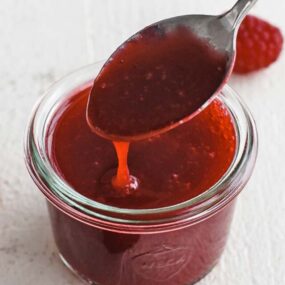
column 123, row 181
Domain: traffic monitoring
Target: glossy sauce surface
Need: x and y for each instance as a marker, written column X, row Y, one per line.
column 171, row 168
column 152, row 82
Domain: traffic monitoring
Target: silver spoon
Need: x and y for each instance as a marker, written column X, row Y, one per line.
column 219, row 31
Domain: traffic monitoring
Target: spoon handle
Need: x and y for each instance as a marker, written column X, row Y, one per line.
column 235, row 15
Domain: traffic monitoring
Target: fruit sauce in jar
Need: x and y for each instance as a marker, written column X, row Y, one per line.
column 172, row 228
column 171, row 168
column 155, row 205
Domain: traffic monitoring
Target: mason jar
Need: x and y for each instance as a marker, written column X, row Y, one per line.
column 107, row 245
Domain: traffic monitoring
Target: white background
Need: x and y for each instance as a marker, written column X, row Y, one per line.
column 42, row 40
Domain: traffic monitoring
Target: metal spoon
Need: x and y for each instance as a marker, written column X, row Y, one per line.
column 219, row 31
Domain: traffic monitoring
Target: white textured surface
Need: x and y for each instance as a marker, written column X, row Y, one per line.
column 40, row 41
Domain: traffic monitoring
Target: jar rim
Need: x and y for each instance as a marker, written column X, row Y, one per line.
column 62, row 195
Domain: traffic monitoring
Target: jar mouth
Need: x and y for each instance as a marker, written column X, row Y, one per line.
column 62, row 195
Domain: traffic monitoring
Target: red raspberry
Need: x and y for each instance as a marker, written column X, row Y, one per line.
column 258, row 45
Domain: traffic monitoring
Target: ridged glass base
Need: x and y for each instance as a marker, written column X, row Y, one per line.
column 89, row 282
column 84, row 280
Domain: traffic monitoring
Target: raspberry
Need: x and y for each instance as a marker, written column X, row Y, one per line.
column 259, row 44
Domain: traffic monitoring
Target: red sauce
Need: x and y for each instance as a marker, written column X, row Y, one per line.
column 155, row 80
column 123, row 177
column 170, row 168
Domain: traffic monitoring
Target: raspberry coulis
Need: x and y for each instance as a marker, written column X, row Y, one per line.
column 147, row 87
column 152, row 83
column 170, row 168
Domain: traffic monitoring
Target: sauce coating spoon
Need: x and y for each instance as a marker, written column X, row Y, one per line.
column 164, row 75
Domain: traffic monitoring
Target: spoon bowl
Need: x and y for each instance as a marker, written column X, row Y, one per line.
column 119, row 112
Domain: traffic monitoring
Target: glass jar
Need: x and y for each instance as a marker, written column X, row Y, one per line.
column 107, row 245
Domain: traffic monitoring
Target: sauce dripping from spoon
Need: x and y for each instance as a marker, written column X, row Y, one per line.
column 161, row 77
